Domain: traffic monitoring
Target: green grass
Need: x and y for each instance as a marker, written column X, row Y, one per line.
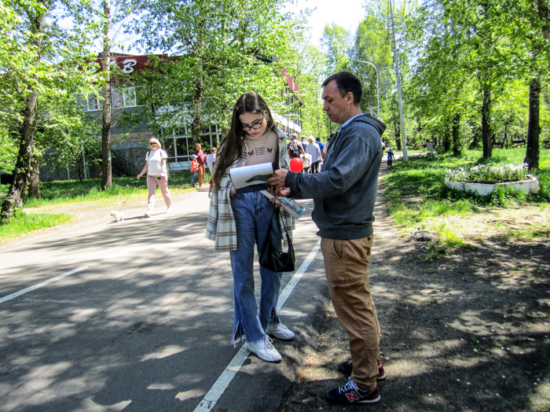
column 75, row 191
column 72, row 192
column 28, row 223
column 424, row 179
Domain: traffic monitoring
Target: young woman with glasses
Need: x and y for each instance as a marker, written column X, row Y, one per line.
column 155, row 166
column 239, row 219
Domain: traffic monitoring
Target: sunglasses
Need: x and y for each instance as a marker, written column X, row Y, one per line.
column 151, row 144
column 254, row 126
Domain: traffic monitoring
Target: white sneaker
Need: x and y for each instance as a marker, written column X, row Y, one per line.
column 264, row 350
column 147, row 214
column 169, row 210
column 279, row 331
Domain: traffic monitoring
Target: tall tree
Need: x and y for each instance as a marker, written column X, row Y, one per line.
column 33, row 35
column 106, row 166
column 223, row 47
column 307, row 65
column 40, row 62
column 336, row 43
column 465, row 41
column 535, row 31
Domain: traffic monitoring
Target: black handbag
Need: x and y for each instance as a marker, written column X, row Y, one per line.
column 271, row 257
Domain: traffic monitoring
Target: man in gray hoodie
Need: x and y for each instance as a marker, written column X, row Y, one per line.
column 344, row 195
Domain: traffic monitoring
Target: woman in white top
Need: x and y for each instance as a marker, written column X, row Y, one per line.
column 315, row 152
column 155, row 166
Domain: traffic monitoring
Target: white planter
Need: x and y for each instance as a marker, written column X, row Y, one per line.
column 531, row 185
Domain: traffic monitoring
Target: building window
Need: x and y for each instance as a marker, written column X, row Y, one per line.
column 129, row 96
column 124, row 97
column 92, row 103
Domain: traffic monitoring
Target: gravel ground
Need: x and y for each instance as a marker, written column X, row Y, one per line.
column 468, row 332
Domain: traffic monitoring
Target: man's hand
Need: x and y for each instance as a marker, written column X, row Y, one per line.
column 277, row 179
column 278, row 192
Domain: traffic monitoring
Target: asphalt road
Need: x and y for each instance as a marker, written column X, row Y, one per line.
column 138, row 315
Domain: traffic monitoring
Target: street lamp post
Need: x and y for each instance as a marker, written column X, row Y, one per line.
column 377, row 82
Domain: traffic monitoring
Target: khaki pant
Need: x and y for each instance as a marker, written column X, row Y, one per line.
column 347, row 271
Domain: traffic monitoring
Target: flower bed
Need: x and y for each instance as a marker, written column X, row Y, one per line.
column 485, row 179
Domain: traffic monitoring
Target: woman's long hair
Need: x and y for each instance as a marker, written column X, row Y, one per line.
column 231, row 147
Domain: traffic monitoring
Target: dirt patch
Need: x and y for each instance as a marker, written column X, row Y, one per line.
column 469, row 331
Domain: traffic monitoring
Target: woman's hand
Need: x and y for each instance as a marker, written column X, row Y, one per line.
column 283, row 191
column 138, row 176
column 273, row 191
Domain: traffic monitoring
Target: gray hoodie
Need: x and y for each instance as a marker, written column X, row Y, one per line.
column 344, row 193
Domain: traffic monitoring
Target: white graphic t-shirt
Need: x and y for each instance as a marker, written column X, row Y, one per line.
column 154, row 157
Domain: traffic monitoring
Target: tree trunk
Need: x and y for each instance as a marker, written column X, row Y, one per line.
column 196, row 125
column 106, row 167
column 34, row 179
column 533, row 129
column 486, row 135
column 447, row 140
column 80, row 171
column 397, row 128
column 456, row 135
column 23, row 165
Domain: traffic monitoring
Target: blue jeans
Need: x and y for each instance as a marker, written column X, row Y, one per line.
column 252, row 213
column 193, row 174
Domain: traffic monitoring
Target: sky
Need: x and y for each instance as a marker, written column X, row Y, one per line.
column 345, row 13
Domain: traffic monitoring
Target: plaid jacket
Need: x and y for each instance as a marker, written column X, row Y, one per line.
column 221, row 226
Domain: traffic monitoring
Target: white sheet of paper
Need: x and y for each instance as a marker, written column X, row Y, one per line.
column 250, row 175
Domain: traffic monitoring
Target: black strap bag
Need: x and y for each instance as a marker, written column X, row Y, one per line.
column 272, row 257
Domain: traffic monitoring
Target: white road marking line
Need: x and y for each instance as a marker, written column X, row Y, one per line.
column 210, row 399
column 48, row 300
column 219, row 387
column 179, row 229
column 288, row 314
column 39, row 285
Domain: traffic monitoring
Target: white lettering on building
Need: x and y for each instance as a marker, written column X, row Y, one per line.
column 128, row 65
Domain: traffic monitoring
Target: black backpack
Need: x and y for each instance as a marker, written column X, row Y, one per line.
column 293, row 150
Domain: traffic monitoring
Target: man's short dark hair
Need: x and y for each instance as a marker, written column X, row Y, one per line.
column 347, row 82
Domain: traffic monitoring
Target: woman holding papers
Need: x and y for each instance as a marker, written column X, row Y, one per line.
column 240, row 218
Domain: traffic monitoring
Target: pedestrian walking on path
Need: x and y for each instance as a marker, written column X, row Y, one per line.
column 314, row 151
column 155, row 166
column 344, row 195
column 201, row 159
column 239, row 219
column 390, row 158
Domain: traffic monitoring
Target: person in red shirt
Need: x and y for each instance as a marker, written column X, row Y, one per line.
column 201, row 159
